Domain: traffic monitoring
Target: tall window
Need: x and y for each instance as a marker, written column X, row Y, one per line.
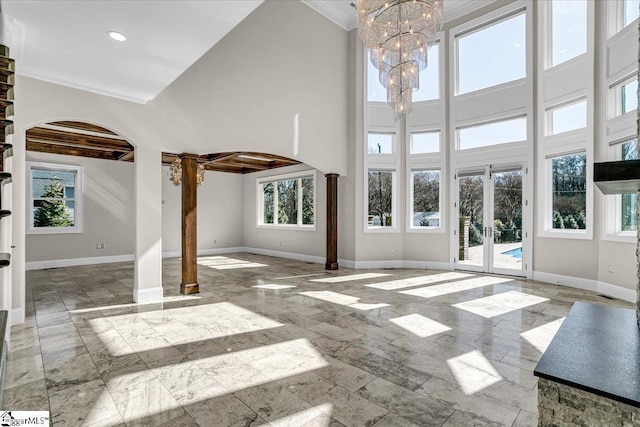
column 55, row 198
column 492, row 55
column 629, row 208
column 569, row 192
column 380, row 191
column 425, row 199
column 287, row 202
column 568, row 30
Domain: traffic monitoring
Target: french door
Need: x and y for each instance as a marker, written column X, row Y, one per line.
column 489, row 229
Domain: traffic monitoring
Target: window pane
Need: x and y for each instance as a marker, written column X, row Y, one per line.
column 380, row 198
column 375, row 90
column 570, row 117
column 630, row 150
column 492, row 55
column 288, row 201
column 425, row 142
column 630, row 11
column 426, row 198
column 52, row 184
column 53, row 213
column 380, row 143
column 569, row 30
column 307, row 201
column 267, row 197
column 569, row 191
column 429, row 82
column 630, row 201
column 493, row 133
column 629, row 96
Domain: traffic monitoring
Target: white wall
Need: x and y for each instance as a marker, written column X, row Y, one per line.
column 220, row 217
column 108, row 216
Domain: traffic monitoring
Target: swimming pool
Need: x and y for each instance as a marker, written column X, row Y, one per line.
column 515, row 253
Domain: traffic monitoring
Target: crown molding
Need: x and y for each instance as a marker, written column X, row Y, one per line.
column 335, row 11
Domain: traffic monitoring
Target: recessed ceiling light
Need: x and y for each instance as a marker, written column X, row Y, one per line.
column 117, row 36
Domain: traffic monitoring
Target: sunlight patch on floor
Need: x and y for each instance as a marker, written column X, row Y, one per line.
column 473, row 372
column 342, row 299
column 225, row 263
column 453, row 287
column 159, row 329
column 417, row 281
column 273, row 286
column 496, row 305
column 420, row 325
column 541, row 336
column 340, row 279
column 318, row 416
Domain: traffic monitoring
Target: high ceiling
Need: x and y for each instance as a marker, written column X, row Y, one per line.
column 66, row 41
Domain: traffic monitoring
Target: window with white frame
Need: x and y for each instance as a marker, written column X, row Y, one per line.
column 380, row 143
column 629, row 202
column 424, row 142
column 55, row 198
column 568, row 30
column 622, row 209
column 287, row 201
column 568, row 181
column 567, row 117
column 493, row 133
column 380, row 198
column 425, row 198
column 492, row 55
column 627, row 96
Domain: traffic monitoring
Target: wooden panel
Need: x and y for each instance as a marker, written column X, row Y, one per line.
column 189, row 283
column 332, row 222
column 83, row 126
column 72, row 151
column 232, row 162
column 88, row 141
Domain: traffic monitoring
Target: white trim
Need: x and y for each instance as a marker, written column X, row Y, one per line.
column 17, row 316
column 334, row 12
column 205, row 252
column 616, row 291
column 72, row 262
column 288, row 255
column 148, row 295
column 570, row 281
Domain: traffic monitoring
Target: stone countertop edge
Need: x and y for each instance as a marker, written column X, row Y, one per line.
column 596, row 349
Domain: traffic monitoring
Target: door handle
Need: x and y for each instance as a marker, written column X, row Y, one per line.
column 485, row 232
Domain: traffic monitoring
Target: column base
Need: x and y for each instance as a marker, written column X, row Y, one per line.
column 331, row 266
column 190, row 288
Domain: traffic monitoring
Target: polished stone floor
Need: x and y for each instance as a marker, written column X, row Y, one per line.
column 278, row 342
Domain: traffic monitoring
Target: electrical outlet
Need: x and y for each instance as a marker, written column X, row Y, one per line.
column 610, row 268
column 97, row 245
column 280, row 242
column 393, row 251
column 101, row 245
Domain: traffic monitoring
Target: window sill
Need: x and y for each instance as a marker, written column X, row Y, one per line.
column 630, row 237
column 287, row 227
column 567, row 234
column 381, row 230
column 426, row 230
column 54, row 230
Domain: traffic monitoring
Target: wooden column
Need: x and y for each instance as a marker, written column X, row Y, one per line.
column 189, row 283
column 332, row 221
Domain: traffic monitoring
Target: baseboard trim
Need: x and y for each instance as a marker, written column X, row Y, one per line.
column 73, row 262
column 17, row 316
column 616, row 291
column 288, row 255
column 148, row 295
column 205, row 252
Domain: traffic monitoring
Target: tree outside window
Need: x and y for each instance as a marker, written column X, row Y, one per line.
column 569, row 191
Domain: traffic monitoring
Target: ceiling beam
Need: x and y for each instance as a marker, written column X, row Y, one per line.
column 88, row 141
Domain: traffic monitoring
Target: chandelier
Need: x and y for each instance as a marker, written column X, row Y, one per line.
column 175, row 173
column 398, row 34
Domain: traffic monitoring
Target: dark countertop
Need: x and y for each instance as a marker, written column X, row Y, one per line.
column 597, row 349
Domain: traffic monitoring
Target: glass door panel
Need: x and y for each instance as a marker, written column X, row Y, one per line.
column 471, row 220
column 506, row 227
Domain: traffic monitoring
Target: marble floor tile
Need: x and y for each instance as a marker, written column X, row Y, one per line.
column 274, row 342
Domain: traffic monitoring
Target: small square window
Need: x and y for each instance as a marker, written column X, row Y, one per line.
column 629, row 96
column 380, row 143
column 501, row 132
column 567, row 118
column 425, row 142
column 631, row 11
